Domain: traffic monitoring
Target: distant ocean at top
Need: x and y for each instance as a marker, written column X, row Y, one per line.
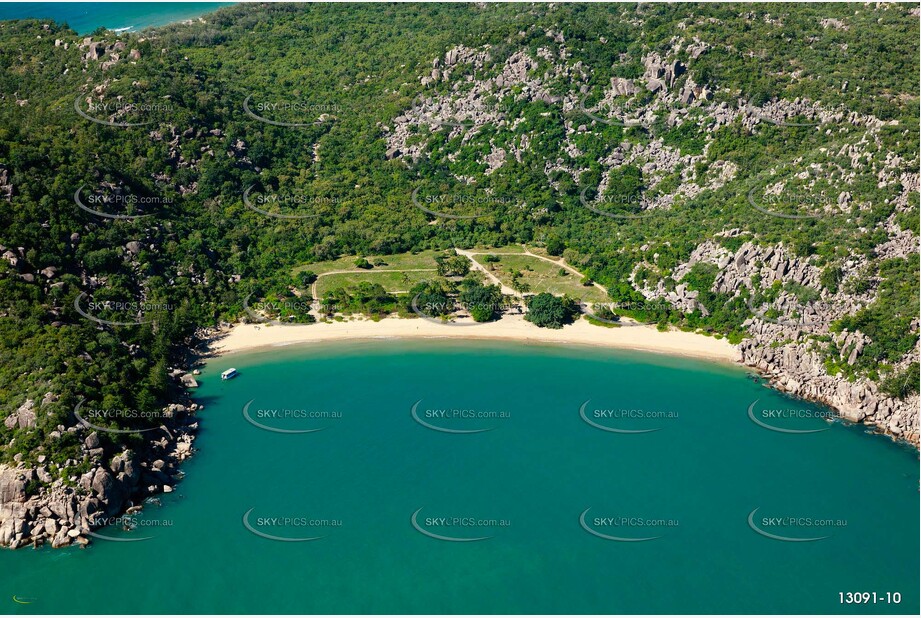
column 84, row 17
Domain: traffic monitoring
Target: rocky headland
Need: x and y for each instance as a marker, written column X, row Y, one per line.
column 48, row 504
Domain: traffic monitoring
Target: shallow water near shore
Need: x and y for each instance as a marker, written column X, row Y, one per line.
column 545, row 445
column 85, row 17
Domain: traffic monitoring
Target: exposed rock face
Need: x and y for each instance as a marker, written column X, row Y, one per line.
column 697, row 48
column 6, row 187
column 830, row 22
column 467, row 110
column 12, row 485
column 94, row 51
column 660, row 74
column 798, row 370
column 691, row 92
column 622, row 87
column 790, row 338
column 24, row 417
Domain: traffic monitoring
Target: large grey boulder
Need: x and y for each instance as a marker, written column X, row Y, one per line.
column 24, row 417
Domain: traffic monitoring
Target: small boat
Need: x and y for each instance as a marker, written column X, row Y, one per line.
column 230, row 373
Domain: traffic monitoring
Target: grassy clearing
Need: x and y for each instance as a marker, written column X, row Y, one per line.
column 540, row 276
column 536, row 275
column 423, row 259
column 391, row 281
column 486, row 250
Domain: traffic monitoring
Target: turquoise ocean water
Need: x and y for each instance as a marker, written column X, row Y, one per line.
column 690, row 486
column 84, row 17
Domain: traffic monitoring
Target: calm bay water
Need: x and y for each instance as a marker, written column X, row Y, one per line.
column 84, row 17
column 691, row 484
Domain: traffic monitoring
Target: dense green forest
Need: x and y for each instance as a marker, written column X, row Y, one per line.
column 186, row 250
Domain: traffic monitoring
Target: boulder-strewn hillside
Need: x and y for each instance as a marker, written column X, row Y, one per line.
column 755, row 167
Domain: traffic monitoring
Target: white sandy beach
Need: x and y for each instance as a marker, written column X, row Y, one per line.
column 243, row 337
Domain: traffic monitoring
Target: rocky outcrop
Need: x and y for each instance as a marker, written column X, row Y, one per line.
column 691, row 92
column 39, row 504
column 466, row 110
column 830, row 22
column 660, row 74
column 95, row 51
column 23, row 418
column 622, row 87
column 798, row 369
column 697, row 48
column 680, row 297
column 6, row 186
column 790, row 337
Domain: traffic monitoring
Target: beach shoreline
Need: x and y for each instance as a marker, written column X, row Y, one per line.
column 261, row 337
column 255, row 336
